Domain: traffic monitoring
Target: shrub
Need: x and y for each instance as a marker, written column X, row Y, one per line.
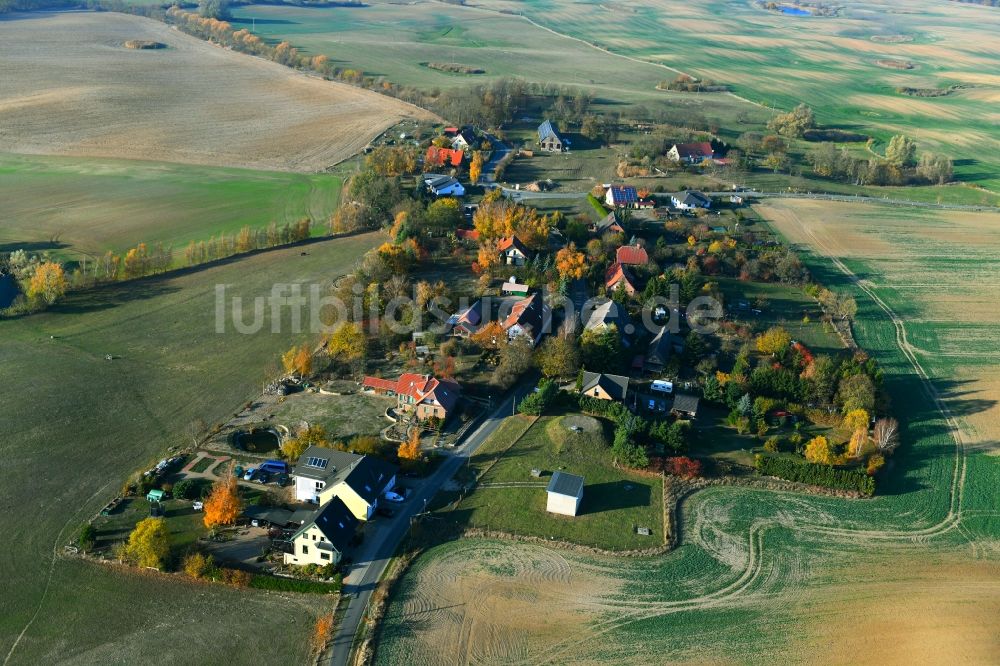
column 185, row 489
column 816, row 475
column 771, row 445
column 278, row 584
column 322, row 632
column 236, row 577
column 87, row 537
column 682, row 466
column 198, row 565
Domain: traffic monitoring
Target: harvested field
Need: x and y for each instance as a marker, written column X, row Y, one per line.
column 72, row 88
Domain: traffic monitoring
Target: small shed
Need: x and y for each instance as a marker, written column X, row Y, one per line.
column 565, row 492
column 156, row 496
column 685, row 405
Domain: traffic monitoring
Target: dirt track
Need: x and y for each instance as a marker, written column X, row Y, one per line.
column 71, row 88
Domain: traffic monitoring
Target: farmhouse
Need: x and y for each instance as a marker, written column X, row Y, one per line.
column 323, row 540
column 322, row 474
column 464, row 139
column 565, row 492
column 607, row 225
column 466, row 323
column 512, row 251
column 443, row 186
column 690, row 200
column 423, row 395
column 617, row 276
column 685, row 405
column 621, row 196
column 691, row 153
column 632, row 255
column 439, row 157
column 549, row 139
column 604, row 387
column 529, row 317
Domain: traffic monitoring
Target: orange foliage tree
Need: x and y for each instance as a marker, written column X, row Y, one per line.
column 297, row 360
column 410, row 449
column 570, row 262
column 475, row 167
column 223, row 505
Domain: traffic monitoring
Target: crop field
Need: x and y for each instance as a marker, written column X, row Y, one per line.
column 776, row 60
column 71, row 88
column 764, row 575
column 103, row 420
column 76, row 206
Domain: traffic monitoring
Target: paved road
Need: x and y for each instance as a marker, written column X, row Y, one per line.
column 374, row 555
column 500, row 151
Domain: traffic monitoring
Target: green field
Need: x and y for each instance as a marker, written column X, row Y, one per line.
column 77, row 425
column 73, row 206
column 507, row 498
column 758, row 575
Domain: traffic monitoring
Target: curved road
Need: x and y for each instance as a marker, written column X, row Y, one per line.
column 375, row 553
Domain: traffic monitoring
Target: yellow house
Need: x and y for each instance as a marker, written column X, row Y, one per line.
column 323, row 540
column 604, row 387
column 323, row 474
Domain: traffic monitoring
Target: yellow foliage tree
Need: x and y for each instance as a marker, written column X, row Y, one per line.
column 571, row 263
column 488, row 255
column 818, row 451
column 774, row 340
column 297, row 360
column 410, row 449
column 48, row 284
column 348, row 343
column 475, row 167
column 715, row 247
column 197, row 565
column 859, row 445
column 875, row 463
column 223, row 505
column 490, row 336
column 149, row 543
column 502, row 218
column 856, row 419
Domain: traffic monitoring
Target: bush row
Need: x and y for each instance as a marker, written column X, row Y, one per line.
column 816, row 475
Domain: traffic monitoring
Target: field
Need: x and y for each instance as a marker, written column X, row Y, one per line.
column 761, row 575
column 509, row 499
column 70, row 88
column 776, row 60
column 77, row 206
column 103, row 420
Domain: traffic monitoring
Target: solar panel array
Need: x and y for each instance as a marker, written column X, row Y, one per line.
column 318, row 463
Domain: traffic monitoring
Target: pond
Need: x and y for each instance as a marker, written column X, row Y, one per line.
column 795, row 11
column 8, row 290
column 256, row 441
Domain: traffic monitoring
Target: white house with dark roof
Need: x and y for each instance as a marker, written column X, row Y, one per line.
column 441, row 185
column 565, row 492
column 689, row 200
column 325, row 537
column 322, row 474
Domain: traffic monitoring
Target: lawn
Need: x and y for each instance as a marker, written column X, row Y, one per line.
column 614, row 501
column 343, row 416
column 79, row 425
column 79, row 206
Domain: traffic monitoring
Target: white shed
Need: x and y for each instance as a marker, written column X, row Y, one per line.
column 565, row 492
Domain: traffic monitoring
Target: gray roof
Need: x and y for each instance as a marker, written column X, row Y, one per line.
column 271, row 514
column 369, row 477
column 336, row 522
column 547, row 129
column 566, row 484
column 605, row 312
column 693, row 198
column 323, row 464
column 686, row 403
column 614, row 385
column 662, row 345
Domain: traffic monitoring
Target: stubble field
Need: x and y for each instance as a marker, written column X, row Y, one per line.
column 71, row 88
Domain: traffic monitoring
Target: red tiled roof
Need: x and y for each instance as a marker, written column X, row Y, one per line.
column 701, row 149
column 380, row 384
column 631, row 255
column 441, row 156
column 513, row 241
column 615, row 274
column 419, row 387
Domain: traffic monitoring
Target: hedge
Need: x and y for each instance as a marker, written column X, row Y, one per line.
column 265, row 582
column 598, row 206
column 816, row 475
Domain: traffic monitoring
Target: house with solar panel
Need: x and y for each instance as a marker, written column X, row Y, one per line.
column 322, row 474
column 323, row 539
column 549, row 139
column 622, row 196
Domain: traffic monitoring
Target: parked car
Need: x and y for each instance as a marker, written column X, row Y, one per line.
column 261, row 476
column 198, row 505
column 393, row 497
column 651, row 406
column 238, row 471
column 385, row 511
column 275, row 466
column 249, row 473
column 281, row 480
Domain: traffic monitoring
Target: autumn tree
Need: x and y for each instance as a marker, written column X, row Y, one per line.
column 48, row 284
column 794, row 123
column 297, row 360
column 558, row 356
column 488, row 255
column 410, row 449
column 886, row 435
column 774, row 341
column 856, row 419
column 314, row 435
column 475, row 167
column 322, row 632
column 223, row 505
column 149, row 543
column 818, row 451
column 490, row 336
column 502, row 218
column 348, row 343
column 198, row 564
column 571, row 263
column 901, row 151
column 856, row 392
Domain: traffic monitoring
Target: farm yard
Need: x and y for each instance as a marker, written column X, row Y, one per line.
column 125, row 413
column 189, row 103
column 80, row 206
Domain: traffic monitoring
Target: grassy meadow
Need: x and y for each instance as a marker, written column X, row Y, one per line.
column 76, row 206
column 760, row 575
column 77, row 425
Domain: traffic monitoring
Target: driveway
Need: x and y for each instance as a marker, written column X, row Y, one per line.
column 382, row 541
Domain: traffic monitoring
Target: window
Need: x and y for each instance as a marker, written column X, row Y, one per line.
column 324, row 556
column 313, row 537
column 320, row 485
column 305, row 550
